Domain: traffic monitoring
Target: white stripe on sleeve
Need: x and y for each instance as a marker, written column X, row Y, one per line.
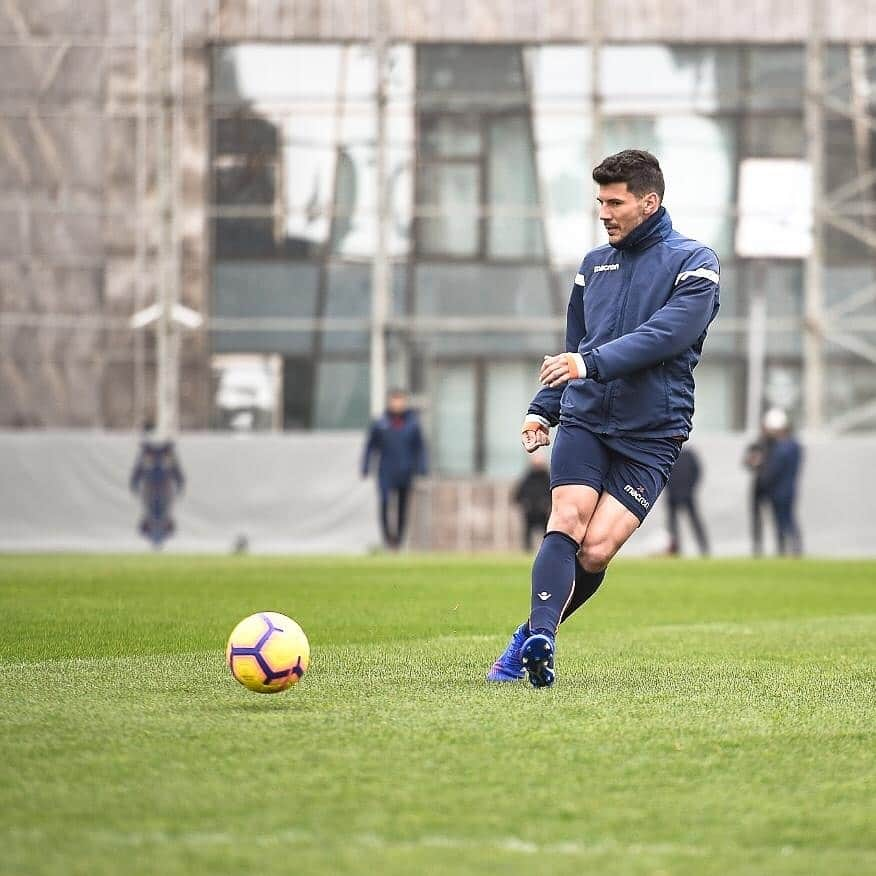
column 705, row 273
column 579, row 280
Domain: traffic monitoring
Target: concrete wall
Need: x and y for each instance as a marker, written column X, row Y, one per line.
column 302, row 493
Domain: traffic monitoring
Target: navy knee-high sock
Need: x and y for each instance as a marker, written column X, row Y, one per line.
column 553, row 578
column 586, row 584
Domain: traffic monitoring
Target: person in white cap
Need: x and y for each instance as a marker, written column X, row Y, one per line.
column 777, row 479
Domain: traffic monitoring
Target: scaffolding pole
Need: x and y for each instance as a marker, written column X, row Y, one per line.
column 813, row 342
column 596, row 156
column 380, row 267
column 167, row 331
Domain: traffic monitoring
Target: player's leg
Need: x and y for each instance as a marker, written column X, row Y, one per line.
column 586, row 584
column 403, row 493
column 610, row 528
column 384, row 498
column 674, row 533
column 699, row 527
column 794, row 529
column 554, row 568
column 553, row 572
column 553, row 577
column 578, row 464
column 632, row 485
column 779, row 523
column 756, row 507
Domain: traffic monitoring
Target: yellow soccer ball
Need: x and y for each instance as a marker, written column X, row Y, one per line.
column 267, row 652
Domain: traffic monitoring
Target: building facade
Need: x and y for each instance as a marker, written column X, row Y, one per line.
column 232, row 150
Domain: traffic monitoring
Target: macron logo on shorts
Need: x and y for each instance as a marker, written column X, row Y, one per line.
column 637, row 495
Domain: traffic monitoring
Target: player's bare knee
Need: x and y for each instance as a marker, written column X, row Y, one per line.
column 567, row 517
column 595, row 556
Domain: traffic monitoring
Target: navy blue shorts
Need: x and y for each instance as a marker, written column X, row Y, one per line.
column 633, row 470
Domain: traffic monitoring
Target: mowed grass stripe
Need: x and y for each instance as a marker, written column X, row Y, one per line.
column 710, row 718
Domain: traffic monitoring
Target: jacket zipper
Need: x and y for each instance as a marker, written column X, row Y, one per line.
column 625, row 292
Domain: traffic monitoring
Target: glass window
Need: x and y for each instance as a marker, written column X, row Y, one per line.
column 454, row 418
column 510, row 387
column 342, row 389
column 450, row 195
column 648, row 78
column 783, row 282
column 348, row 295
column 776, row 77
column 245, row 184
column 481, row 289
column 456, row 136
column 259, row 73
column 774, row 136
column 850, row 384
column 515, row 223
column 298, row 380
column 850, row 70
column 561, row 120
column 263, row 290
column 246, row 392
column 717, row 395
column 243, row 133
column 699, row 203
column 469, row 75
column 782, row 386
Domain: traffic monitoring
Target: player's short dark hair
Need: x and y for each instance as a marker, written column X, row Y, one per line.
column 639, row 169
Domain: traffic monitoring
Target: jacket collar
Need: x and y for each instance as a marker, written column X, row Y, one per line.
column 658, row 227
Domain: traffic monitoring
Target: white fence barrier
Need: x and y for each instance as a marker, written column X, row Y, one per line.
column 301, row 493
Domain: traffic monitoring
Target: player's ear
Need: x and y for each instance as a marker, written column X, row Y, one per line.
column 652, row 202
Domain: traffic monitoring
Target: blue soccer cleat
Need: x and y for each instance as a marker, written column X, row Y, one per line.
column 508, row 666
column 537, row 657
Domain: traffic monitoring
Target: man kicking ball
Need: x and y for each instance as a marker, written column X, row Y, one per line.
column 622, row 395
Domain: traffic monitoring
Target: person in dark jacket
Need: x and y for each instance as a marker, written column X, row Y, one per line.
column 777, row 479
column 621, row 395
column 157, row 479
column 681, row 490
column 396, row 438
column 533, row 494
column 753, row 460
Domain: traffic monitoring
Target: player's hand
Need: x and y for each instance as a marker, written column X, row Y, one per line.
column 534, row 435
column 559, row 369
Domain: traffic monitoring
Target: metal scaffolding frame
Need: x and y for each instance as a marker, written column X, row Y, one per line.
column 837, row 323
column 157, row 111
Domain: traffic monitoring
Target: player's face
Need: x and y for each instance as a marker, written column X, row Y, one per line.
column 620, row 211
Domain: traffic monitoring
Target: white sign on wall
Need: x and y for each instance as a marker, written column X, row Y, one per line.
column 775, row 208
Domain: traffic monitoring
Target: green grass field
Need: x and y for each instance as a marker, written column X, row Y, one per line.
column 709, row 718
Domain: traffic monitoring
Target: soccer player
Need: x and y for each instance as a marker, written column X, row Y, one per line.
column 621, row 395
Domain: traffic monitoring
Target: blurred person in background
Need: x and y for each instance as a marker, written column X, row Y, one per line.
column 533, row 494
column 753, row 459
column 157, row 479
column 397, row 439
column 681, row 489
column 778, row 476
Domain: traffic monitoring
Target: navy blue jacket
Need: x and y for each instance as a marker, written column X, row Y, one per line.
column 638, row 314
column 401, row 449
column 777, row 477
